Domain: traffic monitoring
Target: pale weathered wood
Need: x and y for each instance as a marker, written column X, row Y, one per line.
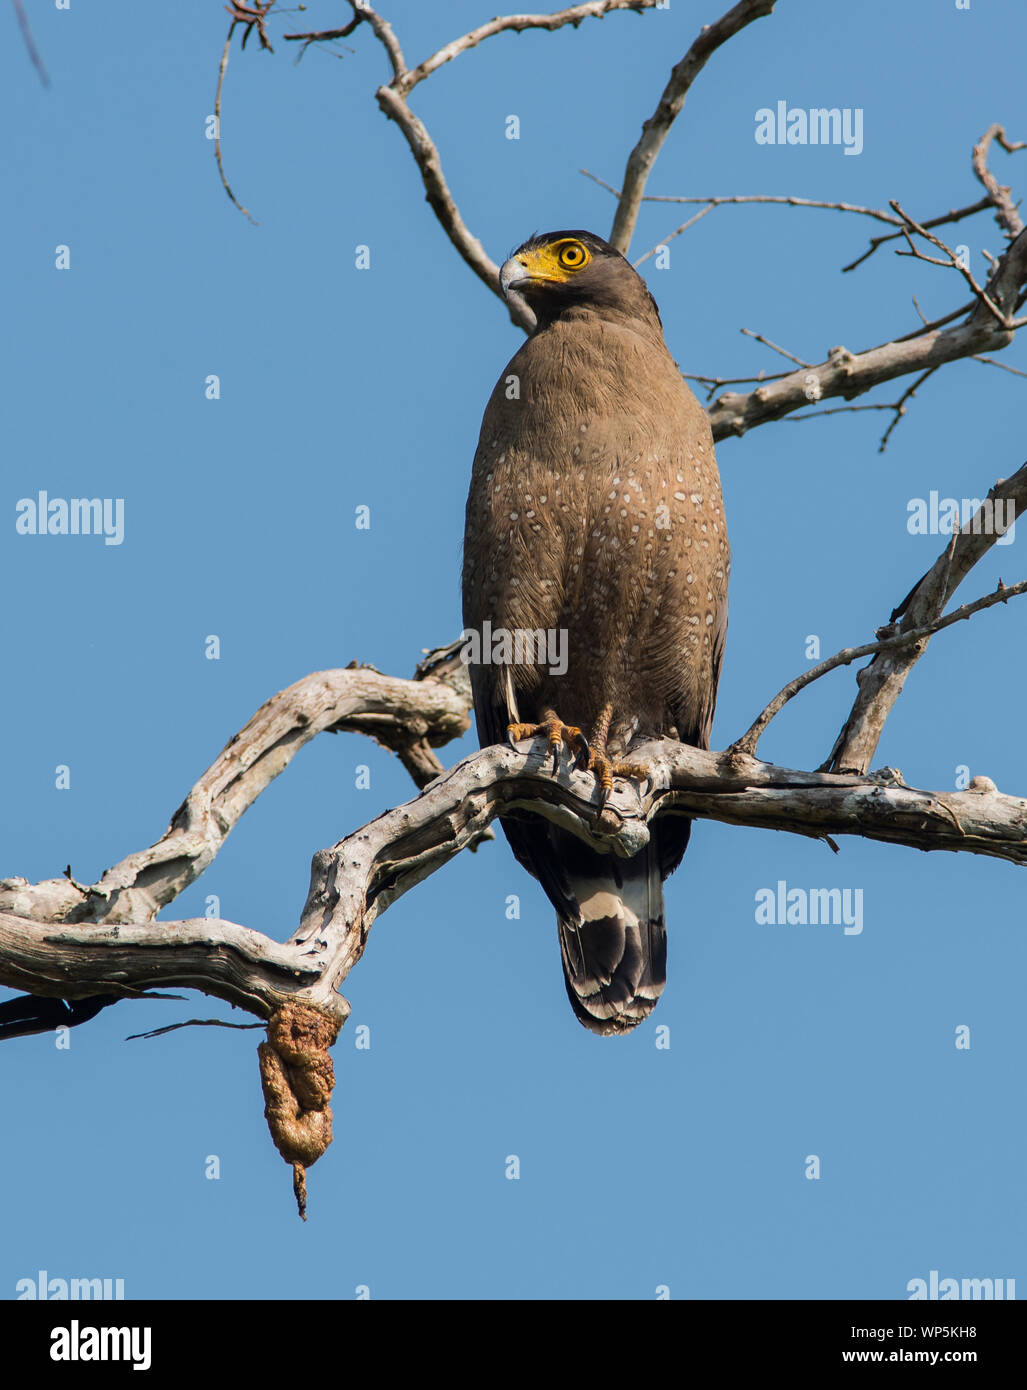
column 358, row 878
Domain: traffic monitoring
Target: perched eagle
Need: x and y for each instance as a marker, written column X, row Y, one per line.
column 595, row 515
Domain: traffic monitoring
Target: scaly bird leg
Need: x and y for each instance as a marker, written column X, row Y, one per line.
column 557, row 733
column 601, row 765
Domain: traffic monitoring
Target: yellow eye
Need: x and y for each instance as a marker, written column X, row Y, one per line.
column 573, row 256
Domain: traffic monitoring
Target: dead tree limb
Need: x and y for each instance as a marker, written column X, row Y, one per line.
column 97, row 944
column 988, row 317
column 844, row 373
column 850, row 374
column 657, row 127
column 392, row 99
column 410, row 717
column 358, row 878
column 750, row 739
column 881, row 682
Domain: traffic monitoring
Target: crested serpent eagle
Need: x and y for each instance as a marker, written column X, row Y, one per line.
column 595, row 516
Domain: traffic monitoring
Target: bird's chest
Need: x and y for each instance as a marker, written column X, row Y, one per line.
column 555, row 513
column 578, row 488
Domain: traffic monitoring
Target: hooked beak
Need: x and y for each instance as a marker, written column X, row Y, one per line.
column 513, row 275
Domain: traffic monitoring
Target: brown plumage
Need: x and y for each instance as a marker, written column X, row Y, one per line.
column 595, row 510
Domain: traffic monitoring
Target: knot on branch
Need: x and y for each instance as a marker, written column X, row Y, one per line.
column 840, row 356
column 298, row 1077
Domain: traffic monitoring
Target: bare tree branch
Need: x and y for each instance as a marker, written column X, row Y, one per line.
column 392, row 99
column 750, row 739
column 849, row 374
column 1004, row 366
column 881, row 682
column 356, row 880
column 516, row 23
column 657, row 127
column 722, row 200
column 426, row 156
column 94, row 944
column 782, row 199
column 382, row 29
column 62, row 940
column 844, row 373
column 712, row 384
column 953, row 215
column 774, row 347
column 787, row 200
column 1006, row 214
column 191, row 1023
column 698, row 217
column 294, row 986
column 953, row 262
column 400, row 714
column 237, row 18
column 898, row 407
column 50, row 946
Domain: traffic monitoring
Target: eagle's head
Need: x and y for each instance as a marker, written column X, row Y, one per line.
column 559, row 271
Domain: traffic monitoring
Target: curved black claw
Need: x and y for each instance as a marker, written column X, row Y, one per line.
column 556, row 758
column 511, row 740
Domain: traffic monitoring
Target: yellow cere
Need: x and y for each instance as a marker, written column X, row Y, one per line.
column 557, row 260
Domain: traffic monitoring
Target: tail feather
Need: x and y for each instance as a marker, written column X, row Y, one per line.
column 609, row 912
column 612, row 936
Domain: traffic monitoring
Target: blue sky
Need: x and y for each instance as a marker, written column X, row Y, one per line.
column 640, row 1167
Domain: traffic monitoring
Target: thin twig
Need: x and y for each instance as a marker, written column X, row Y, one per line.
column 222, row 68
column 935, row 323
column 900, row 406
column 657, row 127
column 192, row 1023
column 1006, row 213
column 750, row 739
column 251, row 17
column 849, row 374
column 767, row 343
column 712, row 384
column 835, row 410
column 881, row 681
column 326, row 36
column 516, row 23
column 954, row 215
column 362, row 14
column 676, row 232
column 954, row 262
column 721, row 200
column 990, row 361
column 426, row 156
